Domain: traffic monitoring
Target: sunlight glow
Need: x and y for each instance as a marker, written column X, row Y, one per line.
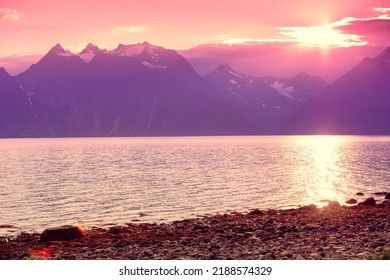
column 322, row 36
column 323, row 152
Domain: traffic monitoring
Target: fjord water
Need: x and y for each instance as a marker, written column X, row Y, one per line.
column 107, row 181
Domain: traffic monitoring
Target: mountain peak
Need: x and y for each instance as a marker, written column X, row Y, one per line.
column 57, row 49
column 90, row 48
column 227, row 71
column 130, row 50
column 224, row 68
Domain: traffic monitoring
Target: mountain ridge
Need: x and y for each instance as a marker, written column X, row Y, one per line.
column 147, row 90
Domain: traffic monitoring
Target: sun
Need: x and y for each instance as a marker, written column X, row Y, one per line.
column 324, row 36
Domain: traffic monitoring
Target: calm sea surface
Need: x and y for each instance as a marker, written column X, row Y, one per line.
column 101, row 182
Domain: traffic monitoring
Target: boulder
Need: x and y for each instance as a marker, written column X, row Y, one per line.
column 368, row 202
column 351, row 201
column 61, row 233
column 333, row 204
column 387, row 196
column 359, row 193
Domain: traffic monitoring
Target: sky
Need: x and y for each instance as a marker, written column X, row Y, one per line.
column 30, row 28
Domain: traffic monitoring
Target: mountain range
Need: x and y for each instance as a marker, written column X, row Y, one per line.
column 357, row 103
column 147, row 90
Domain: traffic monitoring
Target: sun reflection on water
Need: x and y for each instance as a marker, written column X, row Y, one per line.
column 97, row 182
column 322, row 162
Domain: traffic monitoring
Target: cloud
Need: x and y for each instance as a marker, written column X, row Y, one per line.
column 322, row 35
column 375, row 30
column 129, row 29
column 347, row 32
column 235, row 40
column 382, row 10
column 10, row 14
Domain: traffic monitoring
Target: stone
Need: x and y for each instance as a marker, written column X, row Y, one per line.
column 387, row 196
column 116, row 230
column 298, row 257
column 380, row 193
column 368, row 202
column 333, row 204
column 256, row 212
column 309, row 208
column 351, row 201
column 61, row 233
column 359, row 193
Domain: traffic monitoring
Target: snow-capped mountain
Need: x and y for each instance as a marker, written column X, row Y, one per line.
column 357, row 103
column 301, row 87
column 226, row 80
column 132, row 90
column 153, row 55
column 265, row 100
column 143, row 89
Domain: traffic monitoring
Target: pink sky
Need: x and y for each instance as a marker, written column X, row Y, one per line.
column 33, row 27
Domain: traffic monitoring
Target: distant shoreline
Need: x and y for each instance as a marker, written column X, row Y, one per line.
column 332, row 232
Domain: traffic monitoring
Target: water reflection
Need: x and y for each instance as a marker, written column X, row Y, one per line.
column 322, row 165
column 50, row 182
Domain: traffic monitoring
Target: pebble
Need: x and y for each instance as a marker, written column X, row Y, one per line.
column 353, row 232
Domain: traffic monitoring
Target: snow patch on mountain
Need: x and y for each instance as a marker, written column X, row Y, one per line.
column 128, row 50
column 87, row 56
column 235, row 74
column 66, row 53
column 151, row 65
column 283, row 89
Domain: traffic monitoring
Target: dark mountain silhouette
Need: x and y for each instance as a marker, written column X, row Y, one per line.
column 16, row 116
column 147, row 90
column 133, row 90
column 357, row 103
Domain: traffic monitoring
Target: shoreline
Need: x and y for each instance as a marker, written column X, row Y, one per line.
column 332, row 232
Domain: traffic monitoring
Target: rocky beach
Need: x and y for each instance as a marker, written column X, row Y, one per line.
column 332, row 232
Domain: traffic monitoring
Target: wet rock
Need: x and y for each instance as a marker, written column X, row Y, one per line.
column 333, row 204
column 368, row 202
column 380, row 193
column 61, row 233
column 387, row 196
column 256, row 212
column 115, row 230
column 359, row 193
column 308, row 208
column 351, row 201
